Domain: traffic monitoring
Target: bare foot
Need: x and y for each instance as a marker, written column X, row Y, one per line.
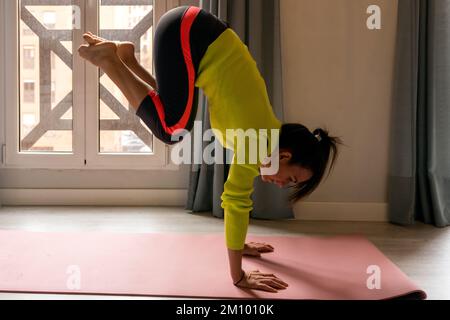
column 125, row 49
column 98, row 54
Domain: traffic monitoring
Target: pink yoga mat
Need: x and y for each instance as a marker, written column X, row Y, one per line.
column 195, row 265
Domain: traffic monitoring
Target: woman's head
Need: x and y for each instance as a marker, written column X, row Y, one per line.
column 304, row 157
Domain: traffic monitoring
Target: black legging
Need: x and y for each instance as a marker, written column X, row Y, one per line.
column 181, row 38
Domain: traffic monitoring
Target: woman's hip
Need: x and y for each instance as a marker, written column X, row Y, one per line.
column 183, row 34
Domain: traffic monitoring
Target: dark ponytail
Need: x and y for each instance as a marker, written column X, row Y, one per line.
column 311, row 151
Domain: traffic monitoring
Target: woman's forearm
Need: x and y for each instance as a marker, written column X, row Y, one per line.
column 235, row 260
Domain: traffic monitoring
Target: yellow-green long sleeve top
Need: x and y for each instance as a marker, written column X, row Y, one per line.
column 237, row 99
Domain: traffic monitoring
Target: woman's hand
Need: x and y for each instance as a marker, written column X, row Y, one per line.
column 255, row 249
column 261, row 281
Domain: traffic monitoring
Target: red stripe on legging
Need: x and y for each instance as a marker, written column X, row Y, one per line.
column 186, row 24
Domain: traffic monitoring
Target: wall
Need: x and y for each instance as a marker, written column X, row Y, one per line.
column 338, row 74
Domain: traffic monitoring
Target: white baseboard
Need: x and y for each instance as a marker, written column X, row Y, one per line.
column 341, row 211
column 308, row 211
column 93, row 197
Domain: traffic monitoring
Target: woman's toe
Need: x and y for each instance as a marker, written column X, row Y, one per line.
column 90, row 39
column 82, row 50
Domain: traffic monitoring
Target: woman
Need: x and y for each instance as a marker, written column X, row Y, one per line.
column 194, row 49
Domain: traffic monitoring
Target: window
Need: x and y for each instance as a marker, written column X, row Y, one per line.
column 28, row 120
column 27, row 31
column 28, row 57
column 115, row 22
column 28, row 91
column 71, row 115
column 49, row 19
column 53, row 91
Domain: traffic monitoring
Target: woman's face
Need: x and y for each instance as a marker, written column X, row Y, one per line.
column 287, row 174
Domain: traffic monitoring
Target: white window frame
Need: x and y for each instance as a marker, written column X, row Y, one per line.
column 2, row 83
column 85, row 84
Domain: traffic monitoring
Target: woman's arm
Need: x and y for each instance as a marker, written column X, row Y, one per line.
column 237, row 206
column 235, row 261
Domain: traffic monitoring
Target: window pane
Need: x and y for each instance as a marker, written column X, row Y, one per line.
column 28, row 57
column 54, row 141
column 45, row 48
column 120, row 130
